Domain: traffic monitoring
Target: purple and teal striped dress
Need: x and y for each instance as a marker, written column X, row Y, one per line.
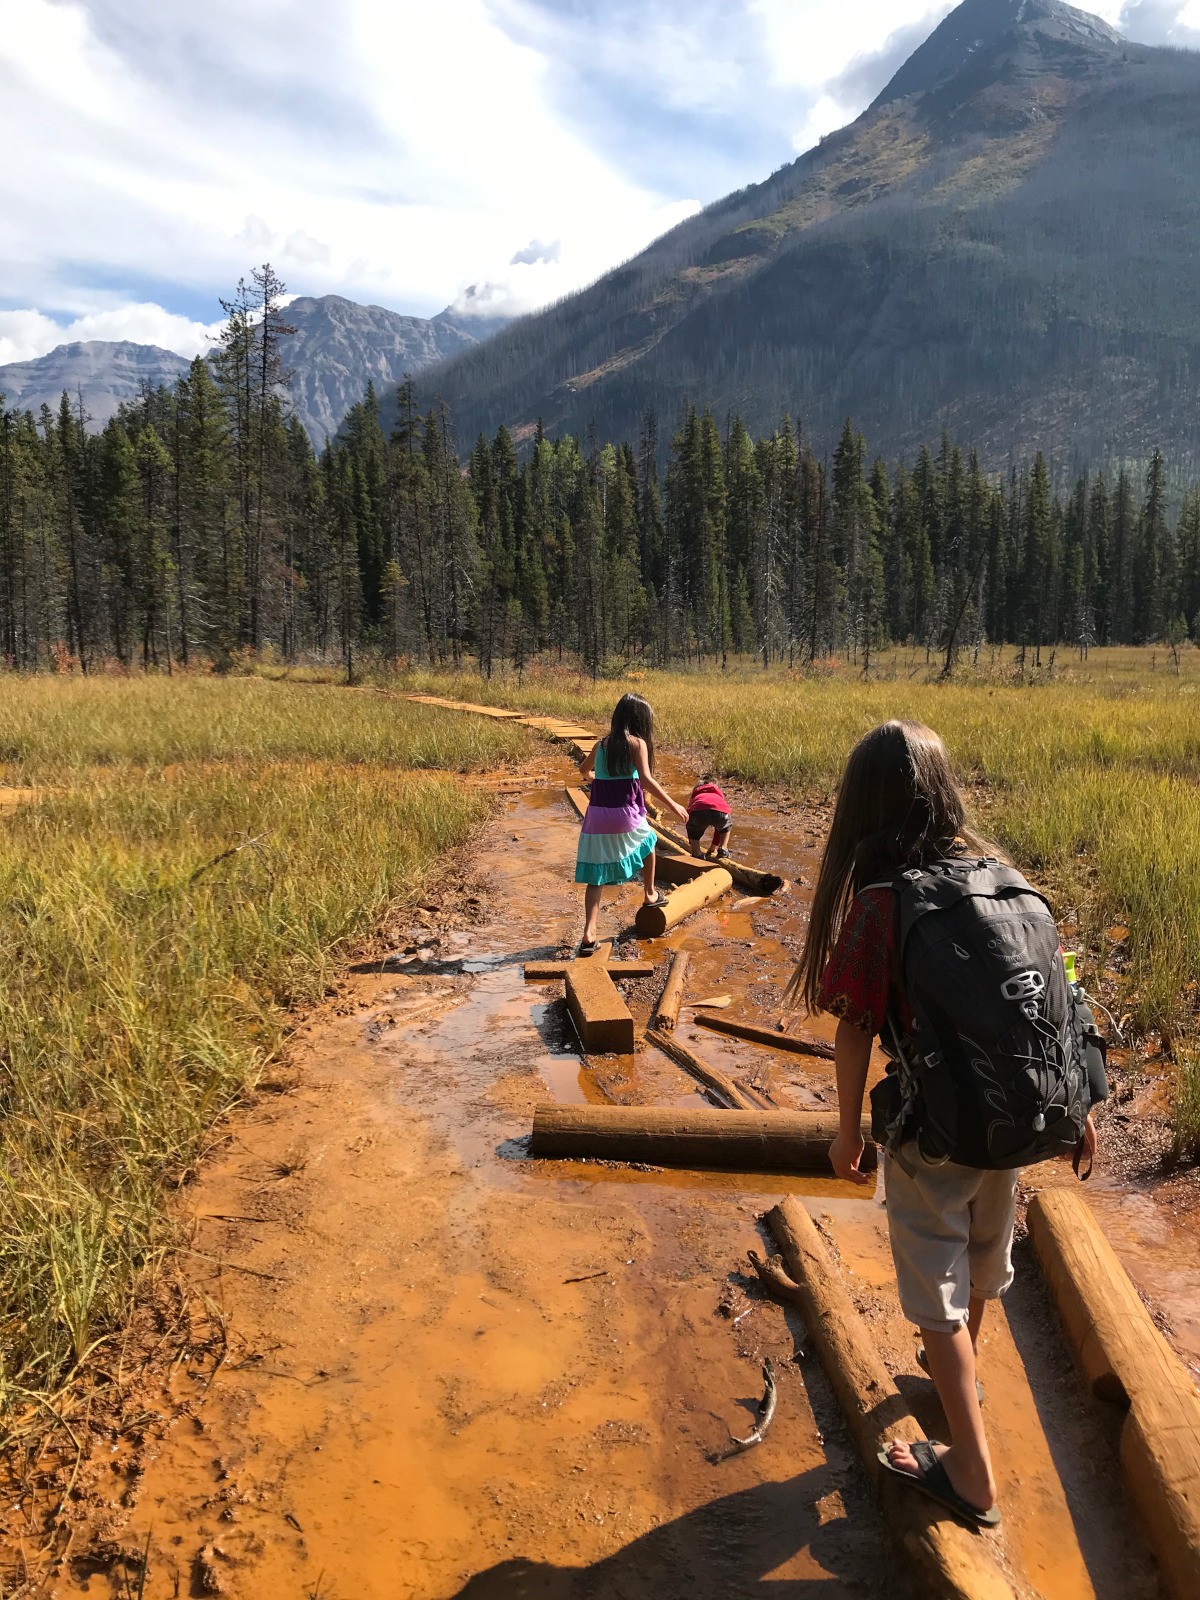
column 617, row 836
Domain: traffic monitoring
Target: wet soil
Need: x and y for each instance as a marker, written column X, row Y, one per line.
column 451, row 1371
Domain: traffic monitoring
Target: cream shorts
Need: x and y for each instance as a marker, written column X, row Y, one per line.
column 951, row 1229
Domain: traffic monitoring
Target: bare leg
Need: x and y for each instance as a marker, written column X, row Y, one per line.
column 697, row 845
column 966, row 1459
column 648, row 875
column 592, row 895
column 722, row 839
column 975, row 1310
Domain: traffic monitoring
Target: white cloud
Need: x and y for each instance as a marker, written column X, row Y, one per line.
column 29, row 333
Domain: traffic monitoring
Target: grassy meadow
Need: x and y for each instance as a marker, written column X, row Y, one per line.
column 1090, row 777
column 149, row 974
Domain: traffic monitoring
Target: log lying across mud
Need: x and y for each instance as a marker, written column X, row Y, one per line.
column 799, row 1043
column 680, row 869
column 711, row 1077
column 602, row 1019
column 947, row 1561
column 667, row 1013
column 741, row 1141
column 1126, row 1360
column 652, row 922
column 547, row 971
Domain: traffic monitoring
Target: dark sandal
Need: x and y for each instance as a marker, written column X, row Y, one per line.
column 923, row 1363
column 933, row 1480
column 587, row 947
column 658, row 899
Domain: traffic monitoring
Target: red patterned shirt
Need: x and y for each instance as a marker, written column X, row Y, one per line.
column 857, row 982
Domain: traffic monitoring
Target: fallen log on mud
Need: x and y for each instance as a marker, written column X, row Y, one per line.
column 948, row 1561
column 1127, row 1360
column 679, row 869
column 652, row 922
column 744, row 876
column 546, row 971
column 602, row 1019
column 711, row 1077
column 801, row 1043
column 742, row 1141
column 667, row 1013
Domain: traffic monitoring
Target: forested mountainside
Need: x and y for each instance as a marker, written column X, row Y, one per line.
column 1006, row 244
column 335, row 349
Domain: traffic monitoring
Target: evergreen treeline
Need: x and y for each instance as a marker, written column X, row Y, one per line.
column 199, row 524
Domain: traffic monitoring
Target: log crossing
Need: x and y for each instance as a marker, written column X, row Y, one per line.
column 739, row 1141
column 746, row 877
column 602, row 1019
column 711, row 1077
column 947, row 1561
column 652, row 922
column 799, row 1043
column 547, row 971
column 667, row 1013
column 1126, row 1360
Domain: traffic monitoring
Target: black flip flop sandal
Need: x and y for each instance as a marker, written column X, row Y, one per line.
column 657, row 899
column 933, row 1481
column 923, row 1363
column 587, row 947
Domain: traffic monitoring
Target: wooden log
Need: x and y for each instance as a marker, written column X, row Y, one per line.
column 800, row 1043
column 652, row 922
column 742, row 1141
column 948, row 1561
column 711, row 1077
column 667, row 1013
column 679, row 869
column 744, row 876
column 547, row 971
column 602, row 1019
column 1127, row 1360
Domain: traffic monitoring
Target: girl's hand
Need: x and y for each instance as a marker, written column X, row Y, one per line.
column 680, row 811
column 845, row 1153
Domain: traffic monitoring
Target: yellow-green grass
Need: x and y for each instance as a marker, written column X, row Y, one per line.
column 145, row 982
column 1093, row 783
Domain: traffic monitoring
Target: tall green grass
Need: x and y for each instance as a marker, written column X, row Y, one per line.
column 1092, row 781
column 149, row 974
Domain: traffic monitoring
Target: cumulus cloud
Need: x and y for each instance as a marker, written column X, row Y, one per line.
column 25, row 334
column 536, row 251
column 1174, row 22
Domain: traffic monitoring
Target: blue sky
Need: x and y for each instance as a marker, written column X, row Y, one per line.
column 401, row 151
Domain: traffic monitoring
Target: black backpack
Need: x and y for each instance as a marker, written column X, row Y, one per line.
column 995, row 1074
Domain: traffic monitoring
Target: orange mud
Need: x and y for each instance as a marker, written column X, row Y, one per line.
column 452, row 1371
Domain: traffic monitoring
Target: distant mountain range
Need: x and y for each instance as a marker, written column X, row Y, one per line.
column 1005, row 244
column 337, row 348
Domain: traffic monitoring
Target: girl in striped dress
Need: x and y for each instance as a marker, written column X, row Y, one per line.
column 617, row 842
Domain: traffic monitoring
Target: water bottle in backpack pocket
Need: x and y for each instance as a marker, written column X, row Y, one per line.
column 995, row 1074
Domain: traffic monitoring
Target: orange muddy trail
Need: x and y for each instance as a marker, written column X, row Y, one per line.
column 453, row 1371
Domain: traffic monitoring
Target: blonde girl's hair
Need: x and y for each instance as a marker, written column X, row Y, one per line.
column 898, row 805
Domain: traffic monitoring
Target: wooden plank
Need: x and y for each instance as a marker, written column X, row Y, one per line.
column 578, row 800
column 679, row 869
column 1127, row 1360
column 948, row 1561
column 799, row 1043
column 711, row 1077
column 667, row 1013
column 602, row 1019
column 741, row 1141
column 547, row 971
column 653, row 921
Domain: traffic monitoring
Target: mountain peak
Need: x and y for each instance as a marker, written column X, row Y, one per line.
column 981, row 29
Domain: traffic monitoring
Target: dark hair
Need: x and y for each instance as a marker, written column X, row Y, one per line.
column 898, row 805
column 631, row 715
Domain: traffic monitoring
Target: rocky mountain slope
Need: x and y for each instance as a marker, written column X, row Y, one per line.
column 1005, row 244
column 337, row 348
column 105, row 371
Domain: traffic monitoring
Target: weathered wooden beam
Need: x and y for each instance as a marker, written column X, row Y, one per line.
column 667, row 1012
column 546, row 971
column 602, row 1019
column 711, row 1077
column 1127, row 1360
column 578, row 799
column 744, row 876
column 799, row 1043
column 652, row 922
column 742, row 1141
column 948, row 1561
column 679, row 869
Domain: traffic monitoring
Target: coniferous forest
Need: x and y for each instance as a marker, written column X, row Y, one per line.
column 200, row 526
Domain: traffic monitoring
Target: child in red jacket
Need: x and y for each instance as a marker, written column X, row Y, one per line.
column 708, row 808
